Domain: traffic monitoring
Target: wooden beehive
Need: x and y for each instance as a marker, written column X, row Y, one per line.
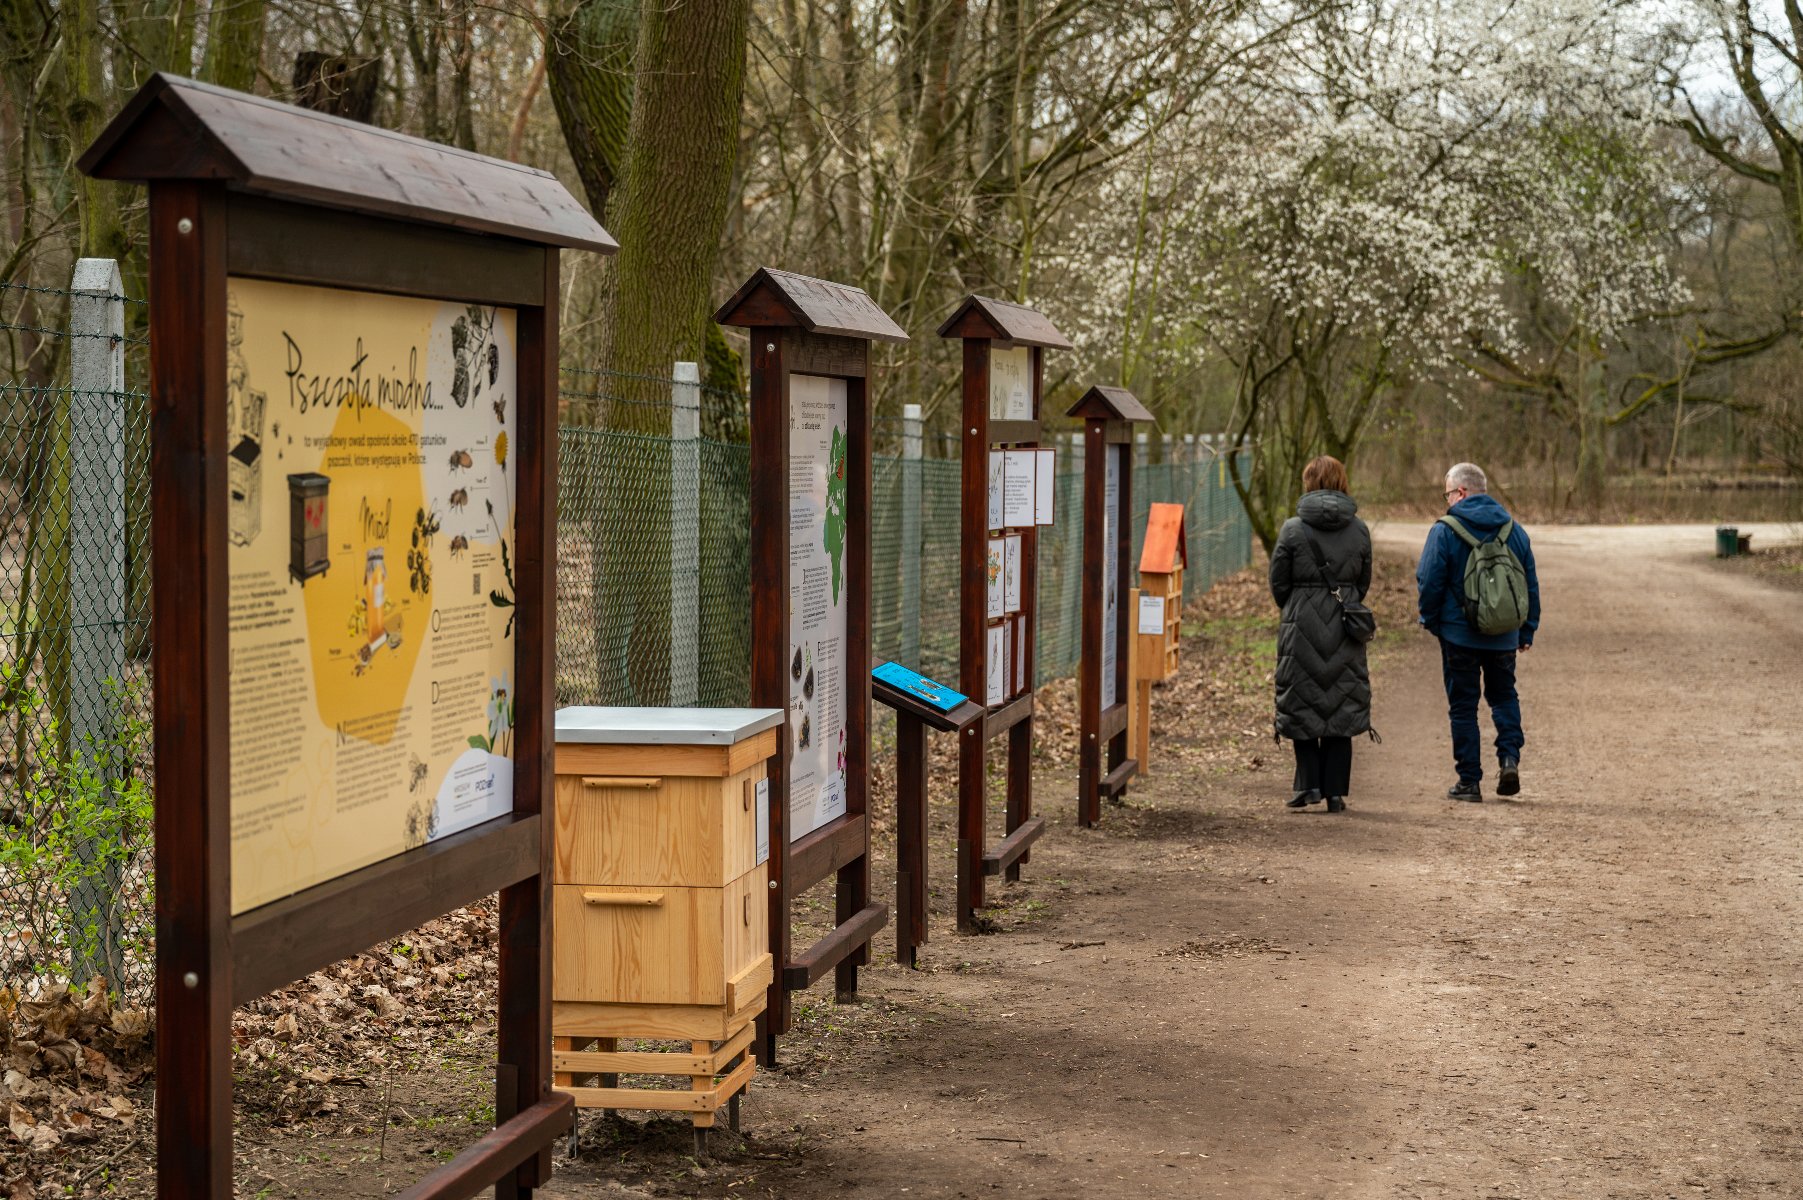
column 1161, row 563
column 660, row 902
column 659, row 896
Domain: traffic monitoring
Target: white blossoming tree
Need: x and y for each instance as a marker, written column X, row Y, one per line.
column 1396, row 193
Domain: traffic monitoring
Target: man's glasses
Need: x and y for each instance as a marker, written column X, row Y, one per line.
column 1449, row 493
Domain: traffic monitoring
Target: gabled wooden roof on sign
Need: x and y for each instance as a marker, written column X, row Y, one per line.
column 783, row 298
column 1109, row 404
column 175, row 128
column 1166, row 548
column 981, row 316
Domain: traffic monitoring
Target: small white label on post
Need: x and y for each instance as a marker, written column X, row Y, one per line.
column 996, row 472
column 1151, row 614
column 1045, row 485
column 763, row 821
column 1019, row 488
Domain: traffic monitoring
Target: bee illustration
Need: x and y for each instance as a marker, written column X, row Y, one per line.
column 501, row 410
column 460, row 497
column 458, row 545
column 416, row 771
column 460, row 459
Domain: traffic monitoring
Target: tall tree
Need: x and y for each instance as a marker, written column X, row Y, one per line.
column 589, row 54
column 681, row 147
column 234, row 43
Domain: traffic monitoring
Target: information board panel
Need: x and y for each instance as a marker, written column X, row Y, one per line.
column 371, row 626
column 1011, row 384
column 818, row 533
column 1111, row 584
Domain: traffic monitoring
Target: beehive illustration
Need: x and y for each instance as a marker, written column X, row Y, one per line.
column 307, row 553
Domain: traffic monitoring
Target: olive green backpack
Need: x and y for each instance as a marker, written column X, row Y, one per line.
column 1496, row 584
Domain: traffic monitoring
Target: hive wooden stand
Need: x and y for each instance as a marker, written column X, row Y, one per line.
column 660, row 928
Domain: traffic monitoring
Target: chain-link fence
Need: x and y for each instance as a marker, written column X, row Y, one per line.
column 653, row 591
column 654, row 577
column 75, row 753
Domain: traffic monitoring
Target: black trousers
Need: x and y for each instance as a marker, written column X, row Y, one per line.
column 1324, row 765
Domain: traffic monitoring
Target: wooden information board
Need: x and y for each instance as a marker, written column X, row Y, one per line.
column 810, row 608
column 1007, row 482
column 353, row 463
column 1108, row 414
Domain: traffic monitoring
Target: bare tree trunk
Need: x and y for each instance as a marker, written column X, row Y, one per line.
column 234, row 43
column 668, row 216
column 340, row 84
column 589, row 51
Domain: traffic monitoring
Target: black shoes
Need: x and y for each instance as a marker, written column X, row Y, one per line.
column 1467, row 791
column 1303, row 799
column 1336, row 804
column 1508, row 779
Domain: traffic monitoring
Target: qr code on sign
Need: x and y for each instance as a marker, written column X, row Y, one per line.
column 478, row 588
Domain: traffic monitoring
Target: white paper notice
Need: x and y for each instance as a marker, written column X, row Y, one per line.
column 1151, row 614
column 817, row 561
column 1111, row 599
column 1020, row 655
column 1045, row 488
column 1019, row 487
column 995, row 572
column 995, row 489
column 996, row 662
column 1011, row 384
column 1011, row 573
column 763, row 820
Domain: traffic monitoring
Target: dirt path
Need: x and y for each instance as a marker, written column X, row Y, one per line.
column 1589, row 992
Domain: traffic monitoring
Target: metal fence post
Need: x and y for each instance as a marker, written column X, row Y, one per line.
column 685, row 534
column 910, row 534
column 97, row 589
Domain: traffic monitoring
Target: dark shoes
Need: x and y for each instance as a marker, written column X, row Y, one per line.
column 1466, row 791
column 1336, row 804
column 1303, row 799
column 1508, row 779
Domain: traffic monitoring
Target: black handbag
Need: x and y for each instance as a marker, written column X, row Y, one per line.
column 1359, row 622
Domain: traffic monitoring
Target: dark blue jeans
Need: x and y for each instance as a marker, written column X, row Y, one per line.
column 1491, row 674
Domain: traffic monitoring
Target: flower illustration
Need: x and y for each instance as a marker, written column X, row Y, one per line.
column 501, row 448
column 500, row 710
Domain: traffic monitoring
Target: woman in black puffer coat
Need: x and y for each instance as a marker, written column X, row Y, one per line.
column 1323, row 686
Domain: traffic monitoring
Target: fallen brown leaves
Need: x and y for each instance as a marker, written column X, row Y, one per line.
column 67, row 1060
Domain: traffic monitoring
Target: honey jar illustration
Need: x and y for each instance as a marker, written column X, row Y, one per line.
column 375, row 591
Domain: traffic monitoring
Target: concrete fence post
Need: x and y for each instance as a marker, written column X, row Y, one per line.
column 685, row 534
column 97, row 592
column 911, row 482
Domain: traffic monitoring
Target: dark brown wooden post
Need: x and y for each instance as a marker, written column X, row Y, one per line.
column 246, row 189
column 990, row 327
column 189, row 702
column 1108, row 414
column 800, row 326
column 913, row 717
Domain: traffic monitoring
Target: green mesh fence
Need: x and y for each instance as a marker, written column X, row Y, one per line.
column 618, row 581
column 653, row 583
column 75, row 754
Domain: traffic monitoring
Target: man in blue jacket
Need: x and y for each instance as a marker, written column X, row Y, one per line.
column 1476, row 663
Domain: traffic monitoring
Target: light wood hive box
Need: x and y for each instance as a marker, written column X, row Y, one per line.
column 659, row 897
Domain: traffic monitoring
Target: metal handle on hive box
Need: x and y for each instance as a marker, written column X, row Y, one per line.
column 628, row 899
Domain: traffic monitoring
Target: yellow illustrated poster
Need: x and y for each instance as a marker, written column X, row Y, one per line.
column 371, row 521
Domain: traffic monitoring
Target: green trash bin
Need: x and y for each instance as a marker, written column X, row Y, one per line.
column 1727, row 541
